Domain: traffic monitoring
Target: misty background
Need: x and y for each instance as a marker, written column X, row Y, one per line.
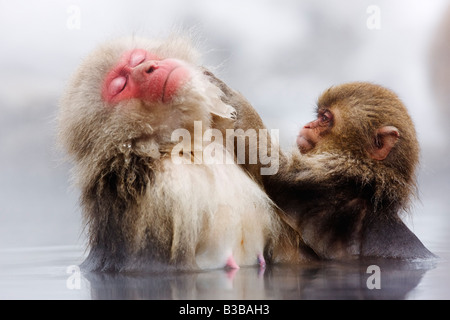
column 280, row 54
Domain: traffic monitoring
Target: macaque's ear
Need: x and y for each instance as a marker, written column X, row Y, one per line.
column 385, row 139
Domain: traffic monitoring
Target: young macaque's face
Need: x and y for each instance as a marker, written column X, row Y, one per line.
column 143, row 75
column 352, row 120
column 310, row 135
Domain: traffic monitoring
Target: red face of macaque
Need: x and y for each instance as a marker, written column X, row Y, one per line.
column 142, row 75
column 313, row 131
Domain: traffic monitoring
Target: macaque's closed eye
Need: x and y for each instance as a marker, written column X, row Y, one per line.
column 118, row 77
column 117, row 85
column 137, row 57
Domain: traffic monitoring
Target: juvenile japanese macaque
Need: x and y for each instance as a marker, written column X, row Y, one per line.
column 354, row 176
column 137, row 119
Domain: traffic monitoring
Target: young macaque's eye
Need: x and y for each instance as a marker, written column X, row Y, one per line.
column 325, row 117
column 117, row 85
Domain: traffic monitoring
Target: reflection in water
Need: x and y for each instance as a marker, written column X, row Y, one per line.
column 325, row 280
column 42, row 273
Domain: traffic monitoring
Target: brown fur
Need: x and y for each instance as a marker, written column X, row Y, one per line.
column 341, row 201
column 246, row 118
column 360, row 109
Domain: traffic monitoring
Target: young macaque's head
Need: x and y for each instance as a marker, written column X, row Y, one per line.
column 364, row 121
column 368, row 130
column 131, row 94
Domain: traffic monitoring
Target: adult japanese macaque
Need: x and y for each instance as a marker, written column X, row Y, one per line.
column 135, row 119
column 354, row 176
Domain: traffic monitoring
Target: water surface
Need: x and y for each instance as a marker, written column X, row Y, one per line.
column 52, row 273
